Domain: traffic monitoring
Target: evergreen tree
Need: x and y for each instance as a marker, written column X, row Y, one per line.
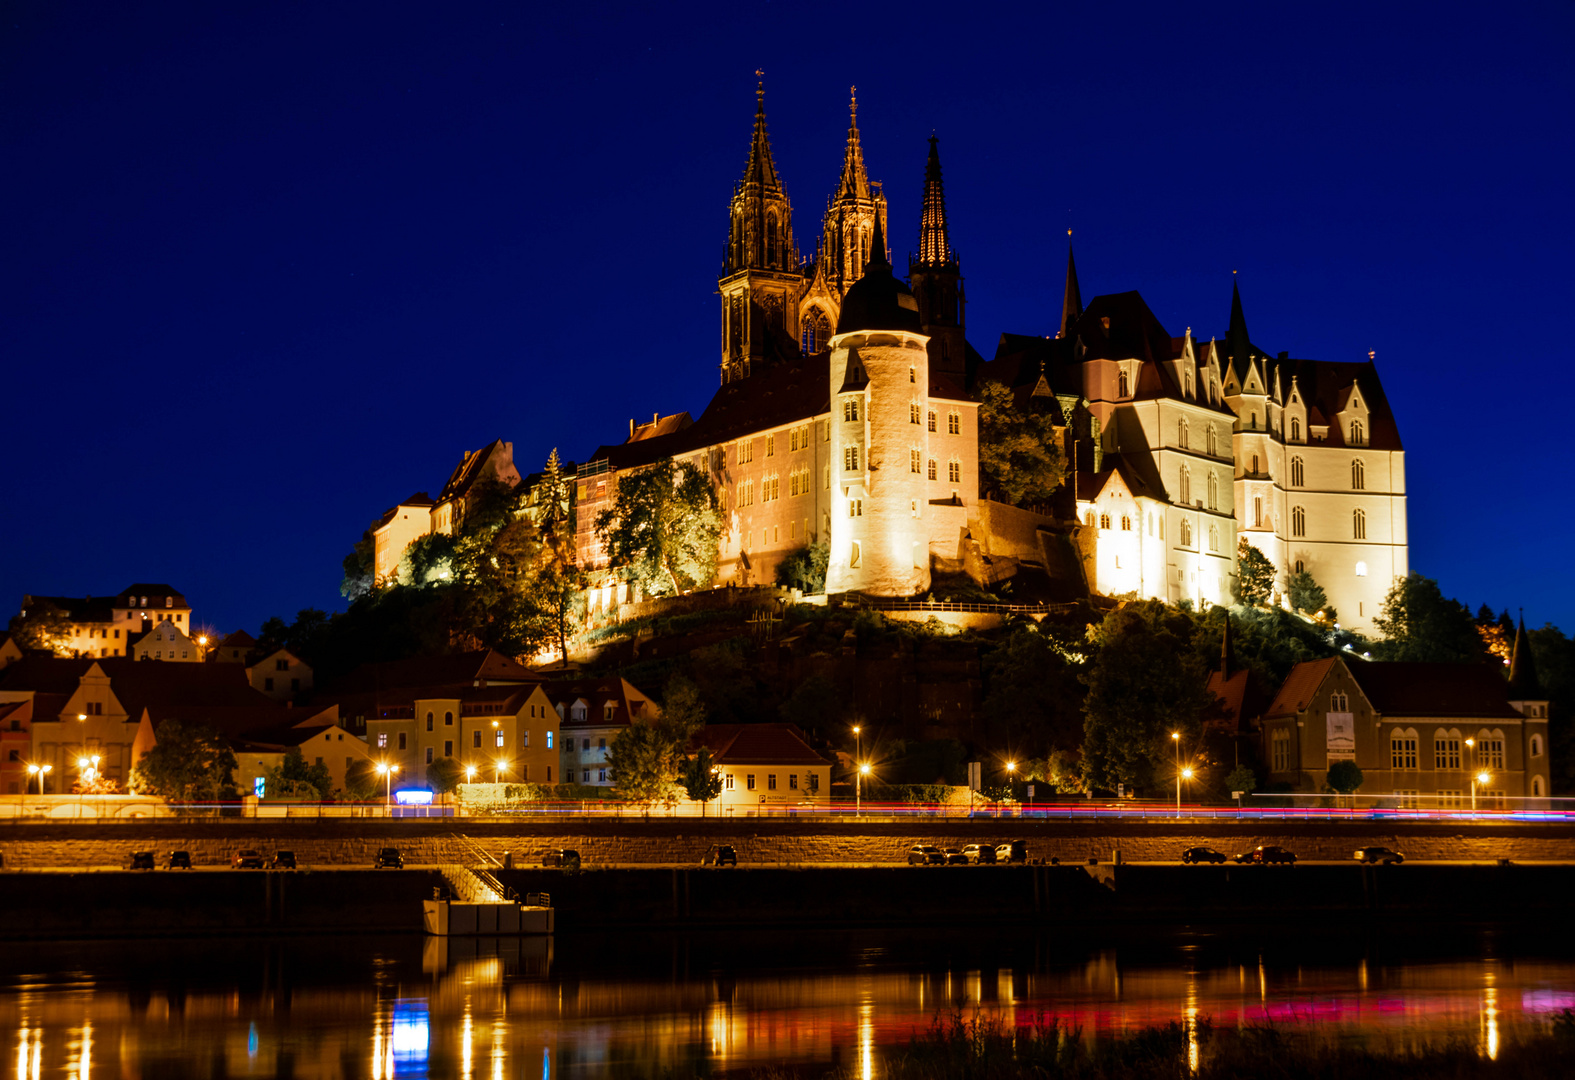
column 1307, row 595
column 1020, row 460
column 1254, row 574
column 804, row 569
column 663, row 527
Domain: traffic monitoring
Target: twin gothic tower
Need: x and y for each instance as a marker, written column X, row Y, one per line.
column 775, row 302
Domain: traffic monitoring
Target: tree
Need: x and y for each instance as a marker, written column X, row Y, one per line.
column 1419, row 623
column 1019, row 458
column 444, row 775
column 361, row 779
column 188, row 763
column 646, row 758
column 804, row 568
column 42, row 626
column 1242, row 779
column 1032, row 696
column 1254, row 574
column 1145, row 683
column 1344, row 776
column 293, row 778
column 663, row 527
column 1306, row 594
column 360, row 566
column 556, row 596
column 700, row 778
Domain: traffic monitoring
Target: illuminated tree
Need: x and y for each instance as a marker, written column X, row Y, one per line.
column 361, row 779
column 804, row 568
column 1306, row 594
column 293, row 778
column 1419, row 622
column 1020, row 460
column 700, row 779
column 42, row 626
column 188, row 763
column 663, row 527
column 1254, row 574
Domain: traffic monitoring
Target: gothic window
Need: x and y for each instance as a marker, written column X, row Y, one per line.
column 953, row 424
column 1104, row 521
column 1255, row 464
column 1213, row 492
column 1297, row 478
column 913, row 411
column 855, row 508
column 850, row 409
column 1257, row 512
column 1298, row 522
column 1186, row 486
column 771, row 240
column 771, row 446
column 1186, row 533
column 1209, row 437
column 793, row 440
column 1090, row 519
column 1402, row 750
column 932, row 419
column 1183, row 439
column 1126, row 523
column 1121, row 385
column 1214, row 538
column 932, row 468
column 850, row 458
column 792, row 484
column 1358, row 475
column 1189, row 384
column 954, row 471
column 1356, row 433
column 914, row 459
column 1296, row 429
column 913, row 377
column 1359, row 524
column 1299, row 566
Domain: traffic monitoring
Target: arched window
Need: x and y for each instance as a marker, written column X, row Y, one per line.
column 913, row 460
column 1126, row 523
column 1298, row 521
column 1536, row 746
column 954, row 471
column 1104, row 521
column 1536, row 787
column 771, row 239
column 1214, row 486
column 913, row 415
column 1090, row 519
column 1214, row 538
column 1296, row 429
column 1186, row 533
column 1182, row 434
column 448, row 719
column 932, row 468
column 1209, row 437
column 1359, row 524
column 1402, row 750
column 1121, row 385
column 1297, row 472
column 1357, row 433
column 1257, row 511
column 932, row 422
column 1358, row 475
column 1186, row 486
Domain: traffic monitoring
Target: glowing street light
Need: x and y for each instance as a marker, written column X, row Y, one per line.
column 1483, row 778
column 858, row 788
column 1175, row 737
column 1011, row 766
column 387, row 771
column 40, row 771
column 498, row 768
column 470, row 773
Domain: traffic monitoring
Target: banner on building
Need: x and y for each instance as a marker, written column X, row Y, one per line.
column 1341, row 742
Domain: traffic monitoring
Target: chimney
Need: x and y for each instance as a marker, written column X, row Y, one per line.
column 631, row 427
column 655, row 417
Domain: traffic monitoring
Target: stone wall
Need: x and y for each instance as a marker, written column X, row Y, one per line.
column 631, row 841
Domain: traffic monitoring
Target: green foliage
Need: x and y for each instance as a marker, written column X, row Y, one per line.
column 1020, row 460
column 1032, row 696
column 815, row 701
column 927, row 761
column 1419, row 623
column 293, row 778
column 444, row 775
column 44, row 626
column 360, row 566
column 804, row 568
column 700, row 779
column 1254, row 574
column 557, row 596
column 1306, row 594
column 188, row 763
column 1241, row 779
column 663, row 527
column 1145, row 684
column 1344, row 776
column 429, row 560
column 362, row 781
column 645, row 759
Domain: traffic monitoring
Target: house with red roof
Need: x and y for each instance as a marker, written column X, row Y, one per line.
column 765, row 768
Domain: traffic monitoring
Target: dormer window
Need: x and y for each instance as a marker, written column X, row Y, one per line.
column 1104, row 321
column 1357, row 434
column 1296, row 429
column 1121, row 385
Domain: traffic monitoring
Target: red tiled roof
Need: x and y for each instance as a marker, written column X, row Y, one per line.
column 1299, row 687
column 757, row 744
column 455, row 670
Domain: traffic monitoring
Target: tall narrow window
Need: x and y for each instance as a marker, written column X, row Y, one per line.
column 1257, row 511
column 1357, row 434
column 1209, row 439
column 1298, row 521
column 1213, row 492
column 932, row 469
column 1296, row 429
column 1186, row 486
column 1186, row 533
column 1121, row 385
column 1359, row 524
column 850, row 458
column 1214, row 538
column 1358, row 475
column 1104, row 521
column 1183, row 438
column 914, row 458
column 1297, row 472
column 953, row 424
column 913, row 374
column 932, row 419
column 913, row 411
column 954, row 471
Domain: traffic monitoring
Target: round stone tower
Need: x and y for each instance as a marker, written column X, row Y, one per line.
column 880, row 378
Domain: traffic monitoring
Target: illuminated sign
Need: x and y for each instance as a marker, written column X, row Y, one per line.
column 1341, row 735
column 259, row 786
column 413, row 798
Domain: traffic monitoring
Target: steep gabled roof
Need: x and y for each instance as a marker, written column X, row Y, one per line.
column 456, row 669
column 470, row 469
column 1523, row 682
column 756, row 744
column 1442, row 690
column 46, row 674
column 1323, row 384
column 152, row 589
column 1299, row 687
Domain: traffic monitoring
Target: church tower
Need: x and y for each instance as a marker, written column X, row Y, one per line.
column 937, row 279
column 848, row 232
column 761, row 278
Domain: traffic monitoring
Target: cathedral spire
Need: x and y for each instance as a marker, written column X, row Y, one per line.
column 935, row 246
column 1238, row 347
column 1072, row 301
column 761, row 168
column 1523, row 682
column 855, row 181
column 878, row 247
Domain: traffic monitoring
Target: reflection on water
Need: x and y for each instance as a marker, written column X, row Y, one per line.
column 635, row 1004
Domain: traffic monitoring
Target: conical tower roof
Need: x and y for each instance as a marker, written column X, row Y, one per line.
column 1523, row 682
column 855, row 181
column 935, row 246
column 761, row 168
column 1072, row 300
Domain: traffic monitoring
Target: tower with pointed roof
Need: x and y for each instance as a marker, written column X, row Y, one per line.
column 846, row 236
column 1527, row 697
column 1072, row 298
column 936, row 278
column 761, row 278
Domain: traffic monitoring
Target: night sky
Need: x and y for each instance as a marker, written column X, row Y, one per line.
column 269, row 268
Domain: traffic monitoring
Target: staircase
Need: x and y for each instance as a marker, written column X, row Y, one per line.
column 473, row 887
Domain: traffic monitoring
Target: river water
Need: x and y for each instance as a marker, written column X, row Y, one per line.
column 632, row 1004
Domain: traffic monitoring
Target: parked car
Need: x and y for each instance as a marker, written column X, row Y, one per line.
column 142, row 860
column 926, row 855
column 980, row 854
column 1014, row 852
column 567, row 858
column 1202, row 855
column 720, row 855
column 247, row 859
column 955, row 857
column 1268, row 853
column 1378, row 855
column 178, row 860
column 283, row 860
column 389, row 857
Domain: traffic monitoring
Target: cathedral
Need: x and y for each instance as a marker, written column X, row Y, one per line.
column 848, row 413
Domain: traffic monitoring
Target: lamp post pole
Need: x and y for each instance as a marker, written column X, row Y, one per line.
column 858, row 768
column 1175, row 737
column 858, row 789
column 1479, row 778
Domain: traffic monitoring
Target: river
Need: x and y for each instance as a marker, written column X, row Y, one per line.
column 638, row 1004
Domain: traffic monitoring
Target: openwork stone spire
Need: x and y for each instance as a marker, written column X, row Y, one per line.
column 935, row 246
column 855, row 181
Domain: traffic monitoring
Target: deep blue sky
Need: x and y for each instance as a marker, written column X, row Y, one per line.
column 268, row 268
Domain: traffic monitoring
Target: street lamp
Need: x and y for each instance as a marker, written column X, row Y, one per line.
column 387, row 771
column 470, row 773
column 1184, row 774
column 1484, row 778
column 858, row 789
column 499, row 767
column 39, row 771
column 1175, row 737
